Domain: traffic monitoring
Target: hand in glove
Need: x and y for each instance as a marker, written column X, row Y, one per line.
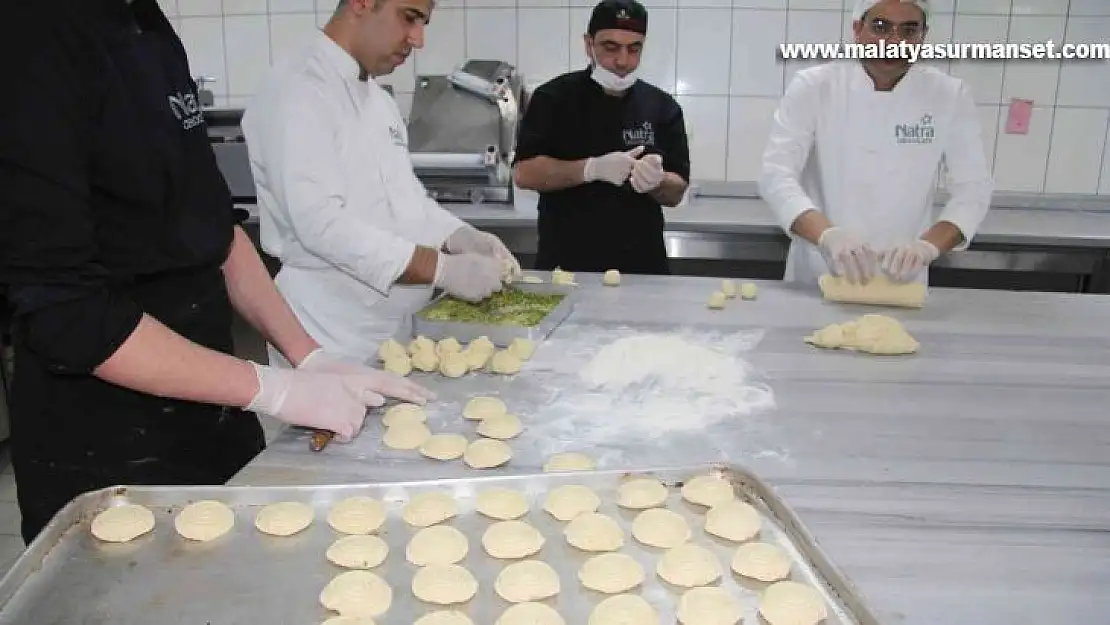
column 904, row 262
column 323, row 401
column 373, row 380
column 847, row 255
column 471, row 240
column 470, row 277
column 647, row 173
column 614, row 167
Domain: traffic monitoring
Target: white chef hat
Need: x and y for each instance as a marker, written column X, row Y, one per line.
column 863, row 6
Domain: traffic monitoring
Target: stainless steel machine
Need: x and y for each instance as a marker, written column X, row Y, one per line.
column 462, row 132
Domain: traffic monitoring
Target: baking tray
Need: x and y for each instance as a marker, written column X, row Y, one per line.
column 245, row 577
column 500, row 335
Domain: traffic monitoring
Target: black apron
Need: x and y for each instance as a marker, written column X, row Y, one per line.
column 72, row 434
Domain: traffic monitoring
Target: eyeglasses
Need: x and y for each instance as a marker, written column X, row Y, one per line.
column 906, row 30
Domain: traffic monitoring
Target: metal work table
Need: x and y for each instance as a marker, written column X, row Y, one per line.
column 966, row 484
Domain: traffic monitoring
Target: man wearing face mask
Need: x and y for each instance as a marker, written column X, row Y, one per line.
column 606, row 151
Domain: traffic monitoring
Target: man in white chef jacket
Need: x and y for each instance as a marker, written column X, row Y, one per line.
column 360, row 241
column 853, row 153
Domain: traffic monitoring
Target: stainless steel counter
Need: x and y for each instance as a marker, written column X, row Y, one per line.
column 967, row 484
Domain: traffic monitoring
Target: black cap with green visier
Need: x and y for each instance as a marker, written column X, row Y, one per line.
column 618, row 15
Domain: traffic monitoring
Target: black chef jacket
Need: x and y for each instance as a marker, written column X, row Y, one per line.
column 111, row 206
column 598, row 226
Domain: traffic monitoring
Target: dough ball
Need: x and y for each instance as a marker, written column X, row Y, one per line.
column 530, row 580
column 392, row 349
column 594, row 532
column 611, row 573
column 689, row 565
column 487, row 453
column 425, row 360
column 421, row 344
column 404, row 413
column 709, row 605
column 624, row 610
column 761, row 561
column 502, row 504
column 357, row 552
column 641, row 493
column 357, row 515
column 659, row 527
column 453, row 365
column 444, row 446
column 429, row 508
column 483, row 344
column 439, row 544
column 566, row 502
column 481, row 408
column 120, row 524
column 728, row 287
column 509, row 540
column 791, row 603
column 444, row 617
column 530, row 614
column 563, row 462
column 717, row 300
column 476, row 358
column 444, row 584
column 502, row 427
column 522, row 348
column 284, row 518
column 733, row 520
column 406, row 435
column 564, row 278
column 532, row 280
column 204, row 520
column 449, row 345
column 748, row 290
column 611, row 278
column 349, row 620
column 400, row 365
column 708, row 490
column 505, row 363
column 358, row 594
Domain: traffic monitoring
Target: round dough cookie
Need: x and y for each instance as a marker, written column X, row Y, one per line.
column 403, row 413
column 791, row 603
column 357, row 515
column 530, row 580
column 421, row 344
column 659, row 527
column 390, row 348
column 349, row 620
column 641, row 493
column 400, row 365
column 566, row 502
column 624, row 610
column 709, row 605
column 357, row 552
column 505, row 362
column 509, row 540
column 569, row 462
column 530, row 614
column 708, row 490
column 425, row 360
column 594, row 532
column 487, row 453
column 689, row 565
column 762, row 561
column 406, row 435
column 120, row 524
column 476, row 357
column 501, row 504
column 522, row 348
column 449, row 345
column 733, row 520
column 483, row 344
column 439, row 544
column 204, row 520
column 611, row 573
column 444, row 446
column 357, row 593
column 480, row 408
column 453, row 365
column 444, row 617
column 284, row 518
column 502, row 427
column 444, row 584
column 429, row 508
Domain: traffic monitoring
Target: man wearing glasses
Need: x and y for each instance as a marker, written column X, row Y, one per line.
column 855, row 145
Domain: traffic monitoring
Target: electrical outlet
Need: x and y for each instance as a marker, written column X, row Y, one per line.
column 1019, row 117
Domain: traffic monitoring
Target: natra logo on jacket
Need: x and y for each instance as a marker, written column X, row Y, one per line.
column 918, row 132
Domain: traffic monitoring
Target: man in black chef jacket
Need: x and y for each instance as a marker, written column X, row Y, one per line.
column 605, row 151
column 122, row 262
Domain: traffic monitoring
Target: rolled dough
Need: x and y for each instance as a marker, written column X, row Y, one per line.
column 530, row 614
column 709, row 605
column 444, row 617
column 357, row 515
column 871, row 334
column 594, row 532
column 357, row 593
column 509, row 540
column 530, row 580
column 879, row 291
column 641, row 493
column 284, row 518
column 659, row 527
column 357, row 552
column 733, row 520
column 439, row 544
column 444, row 446
column 624, row 610
column 791, row 603
column 406, row 435
column 501, row 427
column 761, row 561
column 566, row 502
column 708, row 490
column 204, row 520
column 444, row 584
column 429, row 508
column 480, row 408
column 487, row 453
column 611, row 573
column 403, row 413
column 569, row 461
column 689, row 565
column 120, row 524
column 502, row 504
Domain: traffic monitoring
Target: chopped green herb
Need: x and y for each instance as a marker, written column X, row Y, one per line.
column 507, row 307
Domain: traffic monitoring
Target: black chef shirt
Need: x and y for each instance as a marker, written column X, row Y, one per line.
column 598, row 226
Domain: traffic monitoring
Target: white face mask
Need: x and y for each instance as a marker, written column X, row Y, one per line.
column 612, row 82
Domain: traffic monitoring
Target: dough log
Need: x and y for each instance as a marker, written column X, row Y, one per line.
column 880, row 291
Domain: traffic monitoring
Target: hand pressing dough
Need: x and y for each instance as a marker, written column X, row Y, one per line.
column 406, row 435
column 425, row 360
column 509, row 540
column 480, row 408
column 421, row 344
column 659, row 527
column 566, row 502
column 357, row 515
column 522, row 348
column 505, row 363
column 120, row 524
column 487, row 453
column 453, row 365
column 444, row 584
column 439, row 544
column 733, row 520
column 641, row 493
column 427, row 509
column 444, row 446
column 879, row 291
column 871, row 334
column 717, row 301
column 530, row 580
column 708, row 490
column 689, row 565
column 611, row 278
column 392, row 349
column 791, row 603
column 404, row 413
column 611, row 573
column 400, row 365
column 748, row 290
column 728, row 287
column 530, row 614
column 501, row 427
column 284, row 518
column 357, row 552
column 501, row 504
column 709, row 605
column 568, row 462
column 444, row 617
column 761, row 561
column 357, row 593
column 624, row 610
column 532, row 280
column 203, row 521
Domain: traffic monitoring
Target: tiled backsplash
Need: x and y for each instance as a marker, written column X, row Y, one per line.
column 719, row 58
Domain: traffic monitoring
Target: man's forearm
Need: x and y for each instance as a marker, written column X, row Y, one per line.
column 543, row 173
column 944, row 235
column 255, row 297
column 670, row 191
column 810, row 225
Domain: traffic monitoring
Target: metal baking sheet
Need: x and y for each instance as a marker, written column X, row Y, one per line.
column 500, row 335
column 68, row 577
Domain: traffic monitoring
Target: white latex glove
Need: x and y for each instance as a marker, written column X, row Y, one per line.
column 471, row 240
column 470, row 277
column 614, row 167
column 847, row 255
column 335, row 403
column 374, row 380
column 904, row 262
column 647, row 173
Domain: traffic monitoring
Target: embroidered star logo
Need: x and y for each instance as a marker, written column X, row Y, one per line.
column 622, row 14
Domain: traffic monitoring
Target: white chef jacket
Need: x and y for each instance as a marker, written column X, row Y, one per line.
column 869, row 159
column 340, row 205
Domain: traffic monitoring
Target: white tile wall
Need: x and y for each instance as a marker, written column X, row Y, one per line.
column 719, row 58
